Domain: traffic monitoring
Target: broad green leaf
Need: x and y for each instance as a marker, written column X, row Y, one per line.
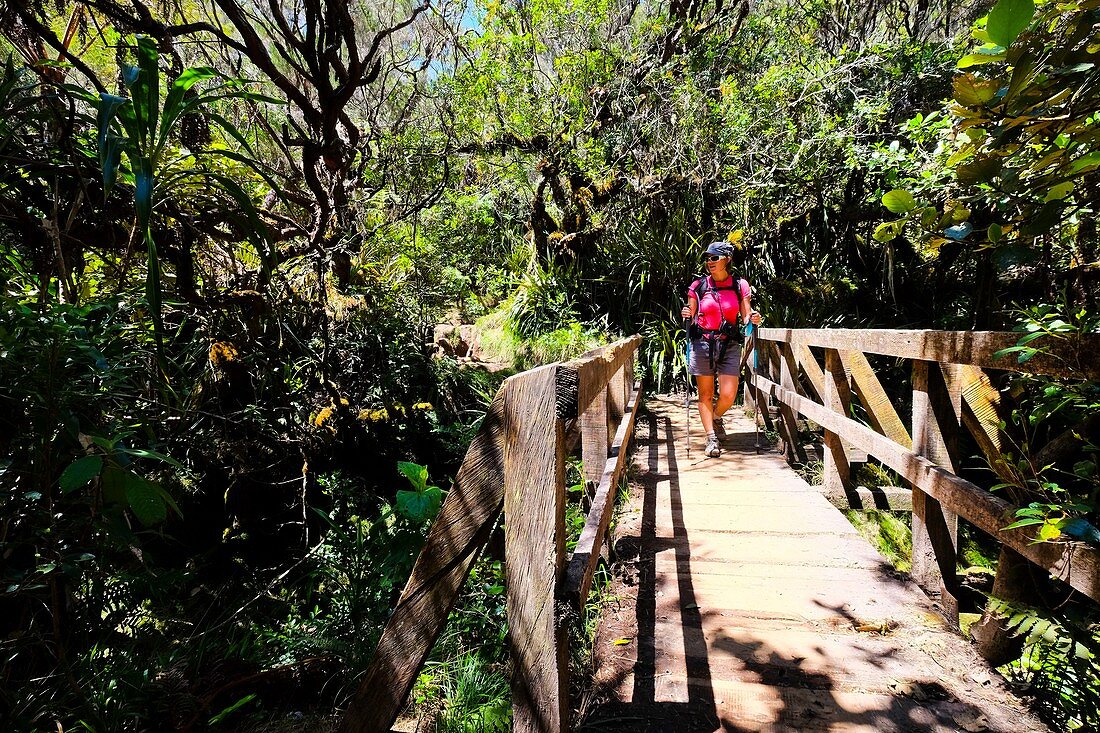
column 419, row 506
column 130, row 75
column 979, row 170
column 1031, row 337
column 145, row 501
column 175, row 103
column 888, row 231
column 1027, row 522
column 898, row 201
column 113, row 484
column 935, row 243
column 977, row 135
column 959, row 214
column 1008, row 19
column 80, row 472
column 110, row 143
column 994, row 233
column 976, row 59
column 110, row 157
column 1085, row 469
column 1060, row 191
column 168, row 500
column 1089, row 161
column 1024, row 75
column 144, row 184
column 964, row 153
column 1049, row 216
column 145, row 91
column 972, row 91
column 1049, row 531
column 415, row 473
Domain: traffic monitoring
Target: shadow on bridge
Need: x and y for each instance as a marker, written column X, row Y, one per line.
column 736, row 673
column 644, row 711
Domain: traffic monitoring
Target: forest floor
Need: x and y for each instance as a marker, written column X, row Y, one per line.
column 744, row 601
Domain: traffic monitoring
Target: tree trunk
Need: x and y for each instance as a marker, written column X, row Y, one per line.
column 1015, row 582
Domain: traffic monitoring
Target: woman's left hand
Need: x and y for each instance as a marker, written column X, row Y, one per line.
column 755, row 318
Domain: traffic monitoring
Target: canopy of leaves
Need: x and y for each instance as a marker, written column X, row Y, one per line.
column 228, row 230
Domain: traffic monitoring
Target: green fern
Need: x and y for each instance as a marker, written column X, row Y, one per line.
column 1060, row 664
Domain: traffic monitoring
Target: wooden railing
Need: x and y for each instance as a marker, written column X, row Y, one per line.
column 950, row 391
column 516, row 463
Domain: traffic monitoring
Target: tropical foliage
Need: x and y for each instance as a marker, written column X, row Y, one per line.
column 227, row 231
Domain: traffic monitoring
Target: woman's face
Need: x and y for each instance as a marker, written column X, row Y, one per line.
column 720, row 265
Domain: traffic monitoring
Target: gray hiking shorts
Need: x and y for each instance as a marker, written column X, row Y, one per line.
column 699, row 364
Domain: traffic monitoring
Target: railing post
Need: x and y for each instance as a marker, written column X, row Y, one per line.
column 935, row 530
column 617, row 391
column 788, row 374
column 838, row 398
column 534, row 549
column 595, row 438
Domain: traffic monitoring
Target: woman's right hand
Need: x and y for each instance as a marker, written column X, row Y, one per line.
column 685, row 312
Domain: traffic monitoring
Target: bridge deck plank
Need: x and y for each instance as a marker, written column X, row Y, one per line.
column 750, row 604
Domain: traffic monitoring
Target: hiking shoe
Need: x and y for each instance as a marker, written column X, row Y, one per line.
column 712, row 449
column 719, row 425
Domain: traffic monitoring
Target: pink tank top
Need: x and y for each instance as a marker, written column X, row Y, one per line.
column 720, row 301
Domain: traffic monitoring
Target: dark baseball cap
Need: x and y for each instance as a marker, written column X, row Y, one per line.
column 722, row 249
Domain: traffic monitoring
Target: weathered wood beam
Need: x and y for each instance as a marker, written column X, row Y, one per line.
column 1069, row 357
column 595, row 368
column 982, row 414
column 467, row 518
column 454, row 542
column 880, row 411
column 582, row 565
column 1075, row 563
column 617, row 389
column 835, row 394
column 807, row 364
column 788, row 370
column 534, row 546
column 935, row 530
column 594, row 439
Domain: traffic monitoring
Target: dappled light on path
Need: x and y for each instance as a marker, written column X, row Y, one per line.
column 746, row 602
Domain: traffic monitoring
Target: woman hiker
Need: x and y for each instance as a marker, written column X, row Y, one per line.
column 714, row 304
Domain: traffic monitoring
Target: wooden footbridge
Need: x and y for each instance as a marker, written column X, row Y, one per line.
column 748, row 602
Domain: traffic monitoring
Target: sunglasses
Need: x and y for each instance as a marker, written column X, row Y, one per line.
column 714, row 258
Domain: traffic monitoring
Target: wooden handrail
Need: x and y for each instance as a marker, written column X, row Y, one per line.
column 516, row 463
column 1071, row 356
column 950, row 392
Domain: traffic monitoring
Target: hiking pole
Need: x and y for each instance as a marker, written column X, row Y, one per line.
column 750, row 348
column 687, row 384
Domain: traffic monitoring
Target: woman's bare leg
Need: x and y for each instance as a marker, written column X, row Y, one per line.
column 727, row 393
column 706, row 402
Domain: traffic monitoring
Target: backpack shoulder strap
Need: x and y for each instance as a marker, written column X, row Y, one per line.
column 700, row 287
column 704, row 285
